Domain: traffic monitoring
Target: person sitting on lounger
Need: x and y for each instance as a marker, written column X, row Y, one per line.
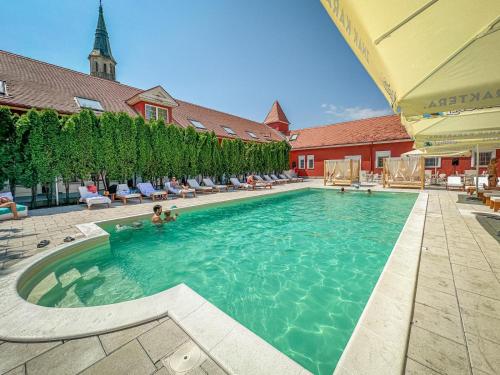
column 251, row 180
column 6, row 202
column 156, row 219
column 183, row 189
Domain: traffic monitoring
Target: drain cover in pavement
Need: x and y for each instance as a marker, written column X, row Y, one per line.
column 185, row 358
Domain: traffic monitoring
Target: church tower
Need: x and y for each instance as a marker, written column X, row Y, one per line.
column 102, row 63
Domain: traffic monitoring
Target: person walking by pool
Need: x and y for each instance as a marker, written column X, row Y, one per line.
column 157, row 219
column 6, row 202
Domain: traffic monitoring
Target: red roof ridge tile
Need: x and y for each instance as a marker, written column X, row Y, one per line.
column 293, row 131
column 68, row 69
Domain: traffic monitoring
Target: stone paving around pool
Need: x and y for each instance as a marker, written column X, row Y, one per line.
column 456, row 320
column 158, row 347
column 455, row 327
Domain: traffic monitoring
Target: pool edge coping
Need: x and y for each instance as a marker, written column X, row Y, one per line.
column 379, row 341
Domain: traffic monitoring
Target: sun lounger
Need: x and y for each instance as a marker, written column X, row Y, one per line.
column 91, row 199
column 180, row 192
column 269, row 179
column 262, row 181
column 487, row 195
column 123, row 193
column 284, row 180
column 240, row 185
column 454, row 182
column 149, row 191
column 290, row 179
column 208, row 182
column 6, row 213
column 495, row 203
column 199, row 189
column 483, row 180
column 293, row 176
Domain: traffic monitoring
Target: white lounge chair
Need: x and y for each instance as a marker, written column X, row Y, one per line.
column 123, row 193
column 292, row 174
column 275, row 178
column 91, row 199
column 193, row 184
column 262, row 181
column 290, row 179
column 495, row 203
column 269, row 179
column 240, row 185
column 454, row 182
column 208, row 182
column 149, row 191
column 6, row 213
column 180, row 192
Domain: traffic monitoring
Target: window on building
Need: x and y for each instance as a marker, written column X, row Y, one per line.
column 293, row 137
column 380, row 156
column 96, row 66
column 433, row 162
column 197, row 124
column 229, row 130
column 2, row 88
column 89, row 103
column 310, row 161
column 105, row 68
column 152, row 112
column 302, row 162
column 252, row 134
column 484, row 157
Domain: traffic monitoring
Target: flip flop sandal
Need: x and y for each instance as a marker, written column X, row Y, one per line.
column 69, row 239
column 42, row 243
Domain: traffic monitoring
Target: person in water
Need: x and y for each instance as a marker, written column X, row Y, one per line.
column 369, row 191
column 342, row 190
column 156, row 219
column 135, row 225
column 169, row 216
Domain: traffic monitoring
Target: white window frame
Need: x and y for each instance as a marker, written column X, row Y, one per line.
column 156, row 108
column 293, row 137
column 309, row 159
column 228, row 130
column 473, row 158
column 302, row 162
column 3, row 88
column 197, row 124
column 99, row 109
column 252, row 134
column 438, row 165
column 381, row 155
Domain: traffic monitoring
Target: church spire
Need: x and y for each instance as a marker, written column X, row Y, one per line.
column 102, row 63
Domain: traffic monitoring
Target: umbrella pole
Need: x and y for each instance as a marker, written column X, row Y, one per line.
column 477, row 170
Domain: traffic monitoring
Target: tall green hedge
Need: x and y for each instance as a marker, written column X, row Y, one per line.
column 39, row 146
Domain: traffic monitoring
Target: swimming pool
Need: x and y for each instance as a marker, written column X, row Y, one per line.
column 296, row 268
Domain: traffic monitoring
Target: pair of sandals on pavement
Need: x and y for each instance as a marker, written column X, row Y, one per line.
column 44, row 243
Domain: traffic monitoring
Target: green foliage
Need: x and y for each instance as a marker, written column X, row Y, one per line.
column 39, row 146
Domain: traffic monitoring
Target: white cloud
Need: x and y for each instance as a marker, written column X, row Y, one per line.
column 353, row 113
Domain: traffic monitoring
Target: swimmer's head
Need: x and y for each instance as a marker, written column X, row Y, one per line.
column 157, row 209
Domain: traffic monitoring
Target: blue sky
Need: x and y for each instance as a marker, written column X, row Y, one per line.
column 236, row 56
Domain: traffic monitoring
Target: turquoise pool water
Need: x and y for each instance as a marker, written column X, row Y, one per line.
column 296, row 268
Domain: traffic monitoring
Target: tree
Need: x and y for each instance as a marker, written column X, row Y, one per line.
column 125, row 143
column 108, row 163
column 9, row 151
column 87, row 149
column 144, row 148
column 190, row 152
column 67, row 160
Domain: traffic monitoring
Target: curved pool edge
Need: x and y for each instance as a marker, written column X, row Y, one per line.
column 379, row 342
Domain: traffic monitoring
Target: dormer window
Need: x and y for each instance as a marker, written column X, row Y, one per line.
column 197, row 124
column 95, row 105
column 229, row 130
column 152, row 112
column 3, row 90
column 252, row 134
column 293, row 137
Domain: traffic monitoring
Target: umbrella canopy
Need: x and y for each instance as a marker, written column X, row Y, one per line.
column 461, row 130
column 426, row 56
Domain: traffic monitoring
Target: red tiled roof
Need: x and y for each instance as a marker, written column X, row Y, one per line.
column 375, row 129
column 36, row 84
column 276, row 114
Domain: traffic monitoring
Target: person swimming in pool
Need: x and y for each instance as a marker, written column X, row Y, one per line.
column 369, row 191
column 342, row 190
column 156, row 219
column 169, row 216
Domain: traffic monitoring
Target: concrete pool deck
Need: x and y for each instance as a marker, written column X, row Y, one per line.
column 55, row 224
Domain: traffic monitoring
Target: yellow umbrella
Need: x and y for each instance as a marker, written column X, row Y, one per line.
column 426, row 56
